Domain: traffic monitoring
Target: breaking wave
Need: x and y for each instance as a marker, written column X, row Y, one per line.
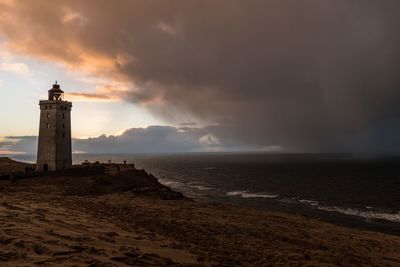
column 309, row 202
column 199, row 187
column 170, row 183
column 247, row 194
column 393, row 217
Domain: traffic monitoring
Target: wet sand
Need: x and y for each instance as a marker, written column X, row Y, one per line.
column 131, row 220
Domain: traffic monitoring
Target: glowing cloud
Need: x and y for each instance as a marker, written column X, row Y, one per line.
column 18, row 68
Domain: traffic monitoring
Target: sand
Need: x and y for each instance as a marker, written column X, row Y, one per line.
column 42, row 234
column 8, row 166
column 130, row 220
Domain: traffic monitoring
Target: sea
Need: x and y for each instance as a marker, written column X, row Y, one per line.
column 361, row 191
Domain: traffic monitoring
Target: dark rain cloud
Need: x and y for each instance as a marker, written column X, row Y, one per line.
column 152, row 139
column 306, row 75
column 20, row 144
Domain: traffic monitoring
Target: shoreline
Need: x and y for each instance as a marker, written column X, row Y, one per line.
column 333, row 217
column 337, row 218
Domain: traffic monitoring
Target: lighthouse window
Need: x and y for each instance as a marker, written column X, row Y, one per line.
column 63, row 116
column 48, row 115
column 48, row 125
column 63, row 135
column 45, row 107
column 63, row 126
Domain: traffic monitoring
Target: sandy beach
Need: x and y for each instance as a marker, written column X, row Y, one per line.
column 131, row 220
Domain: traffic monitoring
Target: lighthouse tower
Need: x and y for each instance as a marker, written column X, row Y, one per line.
column 54, row 150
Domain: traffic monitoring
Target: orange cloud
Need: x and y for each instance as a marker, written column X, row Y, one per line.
column 88, row 96
column 108, row 92
column 71, row 16
column 55, row 31
column 69, row 33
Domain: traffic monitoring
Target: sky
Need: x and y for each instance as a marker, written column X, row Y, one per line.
column 184, row 76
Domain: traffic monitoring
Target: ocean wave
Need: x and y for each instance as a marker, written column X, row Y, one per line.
column 247, row 194
column 199, row 187
column 393, row 217
column 235, row 193
column 309, row 202
column 258, row 195
column 288, row 200
column 170, row 183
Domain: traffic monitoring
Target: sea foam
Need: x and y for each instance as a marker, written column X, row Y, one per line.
column 393, row 217
column 247, row 194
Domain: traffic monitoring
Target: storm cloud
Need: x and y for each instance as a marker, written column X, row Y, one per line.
column 19, row 145
column 152, row 139
column 305, row 75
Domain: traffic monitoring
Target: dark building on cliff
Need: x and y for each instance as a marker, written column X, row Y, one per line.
column 54, row 150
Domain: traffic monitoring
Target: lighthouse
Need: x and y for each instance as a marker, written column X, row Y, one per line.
column 54, row 149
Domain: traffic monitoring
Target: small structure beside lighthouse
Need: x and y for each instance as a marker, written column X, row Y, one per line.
column 54, row 149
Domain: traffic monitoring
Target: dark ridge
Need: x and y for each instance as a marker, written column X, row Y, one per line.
column 89, row 180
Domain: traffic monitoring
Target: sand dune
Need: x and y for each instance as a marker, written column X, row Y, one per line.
column 130, row 220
